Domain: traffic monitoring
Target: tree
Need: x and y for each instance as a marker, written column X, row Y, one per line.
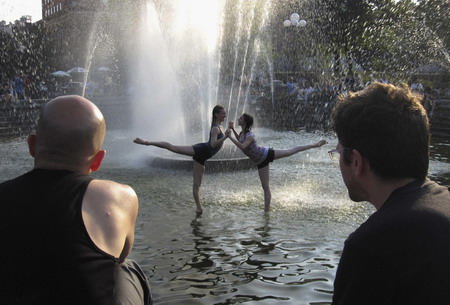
column 392, row 37
column 9, row 56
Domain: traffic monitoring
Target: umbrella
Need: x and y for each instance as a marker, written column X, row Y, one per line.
column 77, row 70
column 60, row 74
column 103, row 69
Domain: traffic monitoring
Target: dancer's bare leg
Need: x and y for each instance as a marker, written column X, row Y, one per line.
column 264, row 177
column 198, row 174
column 281, row 153
column 183, row 150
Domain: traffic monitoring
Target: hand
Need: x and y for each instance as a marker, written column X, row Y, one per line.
column 228, row 133
column 230, row 124
column 139, row 141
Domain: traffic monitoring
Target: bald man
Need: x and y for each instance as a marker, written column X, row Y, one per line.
column 64, row 235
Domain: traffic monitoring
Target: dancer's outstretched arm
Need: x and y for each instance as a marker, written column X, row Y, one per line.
column 281, row 153
column 183, row 150
column 241, row 146
column 231, row 127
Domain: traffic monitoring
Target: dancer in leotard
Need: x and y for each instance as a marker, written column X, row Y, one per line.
column 262, row 156
column 200, row 152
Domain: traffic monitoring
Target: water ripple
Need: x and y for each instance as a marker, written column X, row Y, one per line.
column 234, row 253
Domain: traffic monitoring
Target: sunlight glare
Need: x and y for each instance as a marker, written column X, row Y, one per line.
column 200, row 16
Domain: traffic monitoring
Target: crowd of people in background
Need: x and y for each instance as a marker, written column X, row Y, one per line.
column 301, row 90
column 306, row 91
column 25, row 87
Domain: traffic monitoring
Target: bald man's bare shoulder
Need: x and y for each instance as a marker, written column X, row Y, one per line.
column 112, row 193
column 109, row 212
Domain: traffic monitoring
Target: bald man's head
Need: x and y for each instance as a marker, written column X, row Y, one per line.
column 70, row 131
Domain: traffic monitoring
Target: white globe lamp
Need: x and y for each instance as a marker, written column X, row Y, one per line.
column 295, row 17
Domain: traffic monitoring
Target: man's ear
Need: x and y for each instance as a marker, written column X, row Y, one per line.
column 32, row 144
column 97, row 161
column 358, row 163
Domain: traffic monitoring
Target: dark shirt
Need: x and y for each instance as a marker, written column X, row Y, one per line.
column 19, row 84
column 46, row 254
column 401, row 254
column 214, row 150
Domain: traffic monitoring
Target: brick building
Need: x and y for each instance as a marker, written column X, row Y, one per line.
column 68, row 25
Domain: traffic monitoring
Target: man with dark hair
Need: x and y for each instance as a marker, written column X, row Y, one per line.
column 65, row 236
column 400, row 255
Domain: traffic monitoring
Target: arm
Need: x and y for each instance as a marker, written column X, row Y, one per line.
column 244, row 145
column 109, row 212
column 214, row 133
column 231, row 127
column 235, row 133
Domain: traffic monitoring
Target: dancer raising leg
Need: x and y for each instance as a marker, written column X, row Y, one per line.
column 200, row 152
column 262, row 156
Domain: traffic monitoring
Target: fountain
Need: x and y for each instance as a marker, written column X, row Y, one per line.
column 175, row 71
column 184, row 57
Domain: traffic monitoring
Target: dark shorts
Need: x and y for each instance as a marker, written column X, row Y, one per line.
column 202, row 152
column 269, row 158
column 132, row 287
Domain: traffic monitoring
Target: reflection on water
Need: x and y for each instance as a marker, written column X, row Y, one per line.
column 440, row 151
column 234, row 253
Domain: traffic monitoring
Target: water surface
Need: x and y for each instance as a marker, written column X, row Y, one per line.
column 234, row 253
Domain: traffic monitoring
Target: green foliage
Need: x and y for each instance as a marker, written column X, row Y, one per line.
column 9, row 57
column 386, row 37
column 23, row 51
column 395, row 37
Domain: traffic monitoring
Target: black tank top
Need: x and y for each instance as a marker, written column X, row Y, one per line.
column 214, row 150
column 46, row 254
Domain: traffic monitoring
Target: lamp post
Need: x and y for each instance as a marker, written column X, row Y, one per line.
column 290, row 42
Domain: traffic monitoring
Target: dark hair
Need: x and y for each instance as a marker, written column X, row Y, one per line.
column 215, row 111
column 388, row 126
column 248, row 119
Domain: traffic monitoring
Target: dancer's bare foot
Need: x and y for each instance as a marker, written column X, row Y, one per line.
column 320, row 143
column 140, row 141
